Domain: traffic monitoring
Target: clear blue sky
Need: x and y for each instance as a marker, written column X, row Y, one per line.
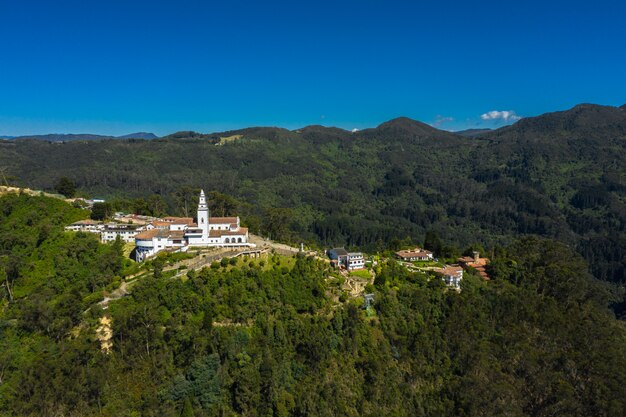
column 114, row 67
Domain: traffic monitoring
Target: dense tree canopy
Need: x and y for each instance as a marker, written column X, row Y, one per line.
column 560, row 175
column 264, row 338
column 66, row 187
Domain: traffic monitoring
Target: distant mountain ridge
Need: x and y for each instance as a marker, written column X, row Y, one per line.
column 404, row 126
column 471, row 133
column 560, row 175
column 64, row 137
column 139, row 135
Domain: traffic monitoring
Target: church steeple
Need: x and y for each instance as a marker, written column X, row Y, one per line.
column 202, row 203
column 203, row 216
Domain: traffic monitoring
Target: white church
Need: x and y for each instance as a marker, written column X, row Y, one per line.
column 181, row 233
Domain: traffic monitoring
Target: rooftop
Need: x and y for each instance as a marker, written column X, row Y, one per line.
column 339, row 251
column 408, row 253
column 86, row 222
column 148, row 234
column 218, row 233
column 223, row 220
column 177, row 220
column 449, row 270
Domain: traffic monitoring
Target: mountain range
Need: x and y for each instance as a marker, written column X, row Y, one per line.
column 560, row 175
column 56, row 137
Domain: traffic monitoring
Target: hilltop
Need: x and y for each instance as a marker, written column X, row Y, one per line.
column 558, row 175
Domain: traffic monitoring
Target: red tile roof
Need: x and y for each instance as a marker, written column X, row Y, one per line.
column 148, row 234
column 414, row 253
column 86, row 222
column 449, row 270
column 218, row 233
column 178, row 220
column 469, row 262
column 161, row 223
column 223, row 220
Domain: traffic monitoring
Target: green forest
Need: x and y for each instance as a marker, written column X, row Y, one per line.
column 560, row 175
column 264, row 338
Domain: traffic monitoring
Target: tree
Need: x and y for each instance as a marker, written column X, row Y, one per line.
column 187, row 409
column 156, row 205
column 158, row 263
column 221, row 204
column 276, row 222
column 65, row 186
column 186, row 200
column 432, row 242
column 5, row 282
column 101, row 211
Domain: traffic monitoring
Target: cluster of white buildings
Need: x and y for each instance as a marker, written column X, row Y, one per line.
column 108, row 231
column 152, row 236
column 451, row 274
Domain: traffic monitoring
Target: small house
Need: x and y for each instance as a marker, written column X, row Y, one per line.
column 341, row 258
column 417, row 254
column 475, row 262
column 452, row 275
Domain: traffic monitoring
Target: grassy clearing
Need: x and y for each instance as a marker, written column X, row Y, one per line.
column 423, row 264
column 227, row 139
column 361, row 273
column 128, row 248
column 266, row 263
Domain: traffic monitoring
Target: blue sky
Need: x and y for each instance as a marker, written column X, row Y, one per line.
column 114, row 67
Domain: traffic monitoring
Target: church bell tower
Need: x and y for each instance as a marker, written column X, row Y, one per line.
column 203, row 216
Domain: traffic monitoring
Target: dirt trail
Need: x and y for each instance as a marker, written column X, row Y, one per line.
column 119, row 292
column 356, row 285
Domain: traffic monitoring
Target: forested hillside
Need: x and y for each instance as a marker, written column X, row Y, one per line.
column 264, row 338
column 559, row 175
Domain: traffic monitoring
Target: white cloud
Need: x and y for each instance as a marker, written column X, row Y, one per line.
column 506, row 115
column 355, row 130
column 440, row 120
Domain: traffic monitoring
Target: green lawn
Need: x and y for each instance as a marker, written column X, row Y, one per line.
column 427, row 263
column 361, row 273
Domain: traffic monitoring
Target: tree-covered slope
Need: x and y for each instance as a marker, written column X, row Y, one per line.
column 264, row 337
column 559, row 175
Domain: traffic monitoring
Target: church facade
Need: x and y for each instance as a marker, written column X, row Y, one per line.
column 181, row 233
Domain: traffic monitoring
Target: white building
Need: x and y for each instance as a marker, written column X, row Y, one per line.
column 151, row 242
column 355, row 260
column 91, row 226
column 341, row 258
column 108, row 232
column 452, row 275
column 126, row 232
column 180, row 233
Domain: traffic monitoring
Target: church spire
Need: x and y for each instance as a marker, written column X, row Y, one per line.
column 203, row 217
column 202, row 203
